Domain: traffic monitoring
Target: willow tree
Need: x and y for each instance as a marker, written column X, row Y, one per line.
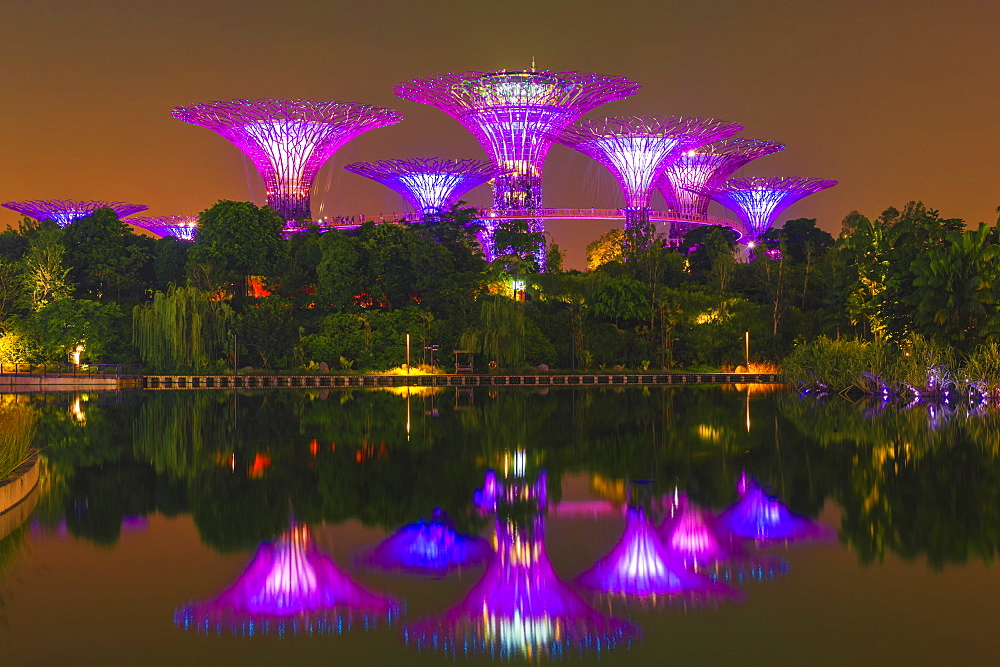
column 182, row 330
column 500, row 335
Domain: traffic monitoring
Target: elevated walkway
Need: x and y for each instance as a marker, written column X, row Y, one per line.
column 352, row 222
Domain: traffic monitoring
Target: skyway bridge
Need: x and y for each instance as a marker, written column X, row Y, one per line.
column 352, row 222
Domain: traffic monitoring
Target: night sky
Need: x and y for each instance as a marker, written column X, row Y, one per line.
column 896, row 100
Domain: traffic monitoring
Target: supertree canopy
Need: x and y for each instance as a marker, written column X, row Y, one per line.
column 289, row 586
column 707, row 166
column 514, row 115
column 179, row 226
column 637, row 149
column 288, row 140
column 64, row 212
column 759, row 201
column 428, row 184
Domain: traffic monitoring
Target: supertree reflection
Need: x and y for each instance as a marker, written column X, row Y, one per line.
column 520, row 608
column 758, row 516
column 429, row 547
column 289, row 586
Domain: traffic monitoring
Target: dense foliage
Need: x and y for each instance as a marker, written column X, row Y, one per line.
column 346, row 300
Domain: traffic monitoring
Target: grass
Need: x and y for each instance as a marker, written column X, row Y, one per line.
column 17, row 430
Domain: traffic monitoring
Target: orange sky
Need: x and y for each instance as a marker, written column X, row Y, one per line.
column 896, row 100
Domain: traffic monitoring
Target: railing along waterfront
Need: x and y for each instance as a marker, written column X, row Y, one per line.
column 57, row 369
column 262, row 381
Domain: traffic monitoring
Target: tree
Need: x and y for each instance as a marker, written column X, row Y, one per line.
column 957, row 290
column 620, row 299
column 607, row 248
column 884, row 253
column 238, row 240
column 266, row 326
column 62, row 326
column 10, row 285
column 45, row 278
column 182, row 329
column 106, row 258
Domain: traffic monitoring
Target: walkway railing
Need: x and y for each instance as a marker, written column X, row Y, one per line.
column 56, row 369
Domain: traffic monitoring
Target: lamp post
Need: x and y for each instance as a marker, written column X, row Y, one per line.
column 407, row 354
column 748, row 350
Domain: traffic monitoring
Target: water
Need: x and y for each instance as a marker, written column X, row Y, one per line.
column 184, row 527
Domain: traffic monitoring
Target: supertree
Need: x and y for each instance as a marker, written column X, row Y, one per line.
column 66, row 211
column 428, row 184
column 288, row 140
column 289, row 586
column 706, row 166
column 179, row 226
column 638, row 148
column 758, row 201
column 514, row 115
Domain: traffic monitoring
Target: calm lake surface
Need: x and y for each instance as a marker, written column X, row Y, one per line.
column 692, row 525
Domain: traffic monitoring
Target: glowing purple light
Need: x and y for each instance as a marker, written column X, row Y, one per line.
column 759, row 201
column 763, row 518
column 428, row 184
column 706, row 166
column 513, row 115
column 637, row 150
column 288, row 586
column 640, row 565
column 520, row 608
column 690, row 535
column 178, row 226
column 288, row 140
column 63, row 212
column 431, row 547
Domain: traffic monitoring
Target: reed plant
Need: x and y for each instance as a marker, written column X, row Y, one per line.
column 18, row 424
column 833, row 365
column 982, row 368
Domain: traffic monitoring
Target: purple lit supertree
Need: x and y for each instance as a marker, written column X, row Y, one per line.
column 428, row 184
column 179, row 226
column 520, row 608
column 638, row 148
column 763, row 518
column 63, row 212
column 514, row 115
column 759, row 201
column 704, row 167
column 429, row 547
column 289, row 586
column 288, row 140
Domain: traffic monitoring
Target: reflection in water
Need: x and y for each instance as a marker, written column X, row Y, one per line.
column 640, row 565
column 520, row 608
column 763, row 518
column 429, row 547
column 688, row 533
column 289, row 586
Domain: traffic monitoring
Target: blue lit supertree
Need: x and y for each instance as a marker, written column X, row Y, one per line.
column 64, row 211
column 179, row 226
column 704, row 167
column 514, row 115
column 637, row 149
column 759, row 201
column 288, row 140
column 428, row 184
